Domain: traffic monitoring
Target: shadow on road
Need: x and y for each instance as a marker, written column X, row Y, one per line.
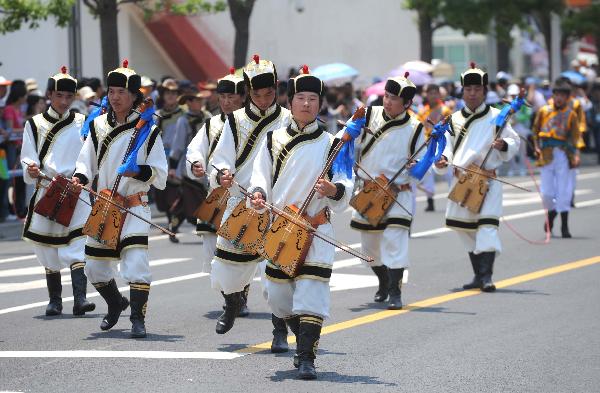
column 67, row 316
column 125, row 334
column 253, row 315
column 329, row 376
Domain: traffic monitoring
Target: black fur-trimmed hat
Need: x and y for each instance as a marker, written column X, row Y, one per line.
column 62, row 82
column 305, row 82
column 231, row 83
column 561, row 86
column 474, row 77
column 124, row 77
column 259, row 74
column 401, row 86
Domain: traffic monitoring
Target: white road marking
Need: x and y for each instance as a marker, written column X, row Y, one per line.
column 122, row 354
column 342, row 282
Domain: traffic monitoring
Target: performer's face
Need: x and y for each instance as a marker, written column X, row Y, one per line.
column 433, row 96
column 196, row 104
column 393, row 105
column 473, row 96
column 230, row 102
column 61, row 101
column 170, row 98
column 263, row 98
column 560, row 99
column 305, row 107
column 120, row 99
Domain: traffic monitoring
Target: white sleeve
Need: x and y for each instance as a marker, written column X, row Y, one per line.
column 343, row 184
column 29, row 153
column 87, row 162
column 447, row 153
column 197, row 151
column 261, row 179
column 512, row 140
column 224, row 155
column 157, row 160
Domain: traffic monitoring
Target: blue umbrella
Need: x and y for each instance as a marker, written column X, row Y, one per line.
column 575, row 77
column 334, row 72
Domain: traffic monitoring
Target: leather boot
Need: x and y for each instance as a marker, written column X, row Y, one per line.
column 384, row 283
column 233, row 303
column 395, row 300
column 79, row 284
column 244, row 311
column 476, row 283
column 486, row 268
column 139, row 302
column 280, row 332
column 293, row 324
column 564, row 225
column 430, row 206
column 308, row 342
column 116, row 302
column 551, row 216
column 54, row 293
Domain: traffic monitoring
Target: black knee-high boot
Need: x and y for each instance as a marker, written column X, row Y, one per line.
column 395, row 300
column 54, row 293
column 476, row 282
column 308, row 343
column 564, row 225
column 233, row 303
column 279, row 343
column 79, row 284
column 116, row 302
column 384, row 283
column 138, row 292
column 244, row 311
column 486, row 268
column 293, row 324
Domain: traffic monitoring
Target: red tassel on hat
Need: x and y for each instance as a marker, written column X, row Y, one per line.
column 232, row 70
column 125, row 63
column 256, row 59
column 63, row 69
column 305, row 69
column 473, row 64
column 406, row 74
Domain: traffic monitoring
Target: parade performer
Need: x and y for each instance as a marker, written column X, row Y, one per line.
column 104, row 154
column 186, row 128
column 51, row 143
column 433, row 111
column 288, row 162
column 478, row 142
column 396, row 136
column 556, row 133
column 243, row 132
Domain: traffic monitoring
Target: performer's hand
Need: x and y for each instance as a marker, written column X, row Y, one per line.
column 325, row 188
column 130, row 174
column 76, row 184
column 258, row 202
column 226, row 178
column 411, row 164
column 33, row 170
column 500, row 144
column 441, row 163
column 576, row 161
column 538, row 153
column 197, row 169
column 172, row 173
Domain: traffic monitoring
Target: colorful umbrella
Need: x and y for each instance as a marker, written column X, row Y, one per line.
column 335, row 72
column 377, row 89
column 418, row 65
column 575, row 77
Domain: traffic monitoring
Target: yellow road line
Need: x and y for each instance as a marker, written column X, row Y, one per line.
column 377, row 316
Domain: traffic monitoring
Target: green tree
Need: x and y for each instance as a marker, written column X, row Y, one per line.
column 580, row 22
column 15, row 13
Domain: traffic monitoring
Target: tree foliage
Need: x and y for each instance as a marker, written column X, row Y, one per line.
column 17, row 13
column 580, row 22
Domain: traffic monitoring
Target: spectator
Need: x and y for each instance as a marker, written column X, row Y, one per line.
column 35, row 104
column 96, row 85
column 82, row 103
column 3, row 90
column 593, row 117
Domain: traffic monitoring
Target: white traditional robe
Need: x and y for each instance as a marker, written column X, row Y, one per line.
column 288, row 163
column 55, row 245
column 102, row 154
column 244, row 131
column 474, row 135
column 385, row 152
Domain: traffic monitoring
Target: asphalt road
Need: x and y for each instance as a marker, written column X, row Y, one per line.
column 537, row 333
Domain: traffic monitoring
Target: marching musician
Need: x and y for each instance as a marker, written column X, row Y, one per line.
column 242, row 134
column 51, row 143
column 102, row 154
column 556, row 133
column 289, row 161
column 186, row 128
column 397, row 134
column 475, row 135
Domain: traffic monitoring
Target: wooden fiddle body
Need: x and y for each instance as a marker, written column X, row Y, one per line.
column 59, row 201
column 212, row 208
column 471, row 188
column 371, row 202
column 106, row 220
column 245, row 228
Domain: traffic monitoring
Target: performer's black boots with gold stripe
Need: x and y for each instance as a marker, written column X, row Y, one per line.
column 138, row 292
column 279, row 343
column 244, row 311
column 233, row 302
column 384, row 283
column 79, row 284
column 486, row 269
column 564, row 225
column 116, row 302
column 395, row 300
column 54, row 293
column 308, row 343
column 476, row 283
